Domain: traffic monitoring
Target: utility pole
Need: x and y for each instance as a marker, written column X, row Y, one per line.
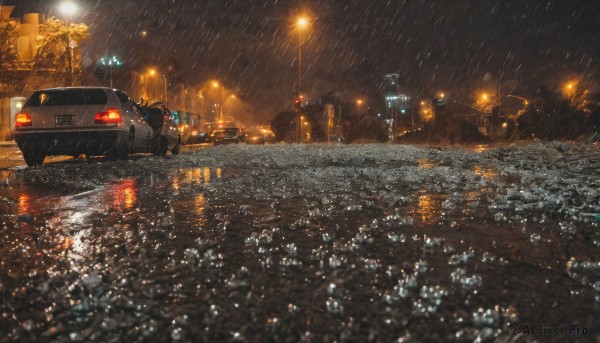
column 166, row 91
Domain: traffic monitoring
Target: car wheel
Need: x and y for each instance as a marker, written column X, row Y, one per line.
column 121, row 152
column 124, row 153
column 161, row 146
column 177, row 148
column 33, row 157
column 117, row 153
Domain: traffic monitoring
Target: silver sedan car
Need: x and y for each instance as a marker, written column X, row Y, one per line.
column 81, row 120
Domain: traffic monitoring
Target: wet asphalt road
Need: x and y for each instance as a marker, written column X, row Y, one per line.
column 292, row 243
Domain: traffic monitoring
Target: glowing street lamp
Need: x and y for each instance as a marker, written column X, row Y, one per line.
column 152, row 72
column 216, row 85
column 110, row 62
column 570, row 89
column 359, row 103
column 68, row 8
column 301, row 24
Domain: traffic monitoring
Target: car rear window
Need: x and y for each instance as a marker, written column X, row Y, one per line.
column 67, row 97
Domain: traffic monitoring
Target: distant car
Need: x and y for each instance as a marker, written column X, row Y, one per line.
column 166, row 135
column 195, row 137
column 81, row 120
column 259, row 137
column 230, row 135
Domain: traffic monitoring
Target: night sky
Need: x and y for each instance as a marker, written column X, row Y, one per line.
column 453, row 46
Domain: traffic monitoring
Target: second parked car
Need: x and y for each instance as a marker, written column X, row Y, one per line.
column 166, row 134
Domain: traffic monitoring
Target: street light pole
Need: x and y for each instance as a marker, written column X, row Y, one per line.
column 70, row 59
column 300, row 64
column 300, row 24
column 222, row 102
column 166, row 91
column 68, row 9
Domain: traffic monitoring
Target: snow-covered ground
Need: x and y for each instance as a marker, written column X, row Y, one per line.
column 306, row 243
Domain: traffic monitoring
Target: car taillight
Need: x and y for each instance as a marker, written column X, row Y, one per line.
column 112, row 115
column 22, row 119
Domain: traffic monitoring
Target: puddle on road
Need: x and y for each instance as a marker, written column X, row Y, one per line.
column 23, row 203
column 124, row 193
column 425, row 163
column 428, row 207
column 195, row 176
column 485, row 172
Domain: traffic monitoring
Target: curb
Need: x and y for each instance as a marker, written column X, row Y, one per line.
column 8, row 144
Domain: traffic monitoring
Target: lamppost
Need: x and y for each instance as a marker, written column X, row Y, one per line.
column 153, row 72
column 301, row 24
column 570, row 91
column 166, row 91
column 358, row 102
column 68, row 9
column 110, row 62
column 215, row 84
column 300, row 121
column 151, row 87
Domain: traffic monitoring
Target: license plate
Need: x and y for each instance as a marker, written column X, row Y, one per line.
column 64, row 120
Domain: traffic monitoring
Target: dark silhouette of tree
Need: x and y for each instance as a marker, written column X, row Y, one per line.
column 554, row 116
column 365, row 127
column 284, row 126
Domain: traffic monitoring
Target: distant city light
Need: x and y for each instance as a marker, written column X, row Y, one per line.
column 401, row 97
column 110, row 61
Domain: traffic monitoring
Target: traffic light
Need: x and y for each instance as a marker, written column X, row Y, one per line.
column 298, row 104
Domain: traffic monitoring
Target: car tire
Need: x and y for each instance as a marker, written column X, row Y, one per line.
column 176, row 149
column 161, row 146
column 118, row 153
column 121, row 151
column 33, row 157
column 124, row 153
